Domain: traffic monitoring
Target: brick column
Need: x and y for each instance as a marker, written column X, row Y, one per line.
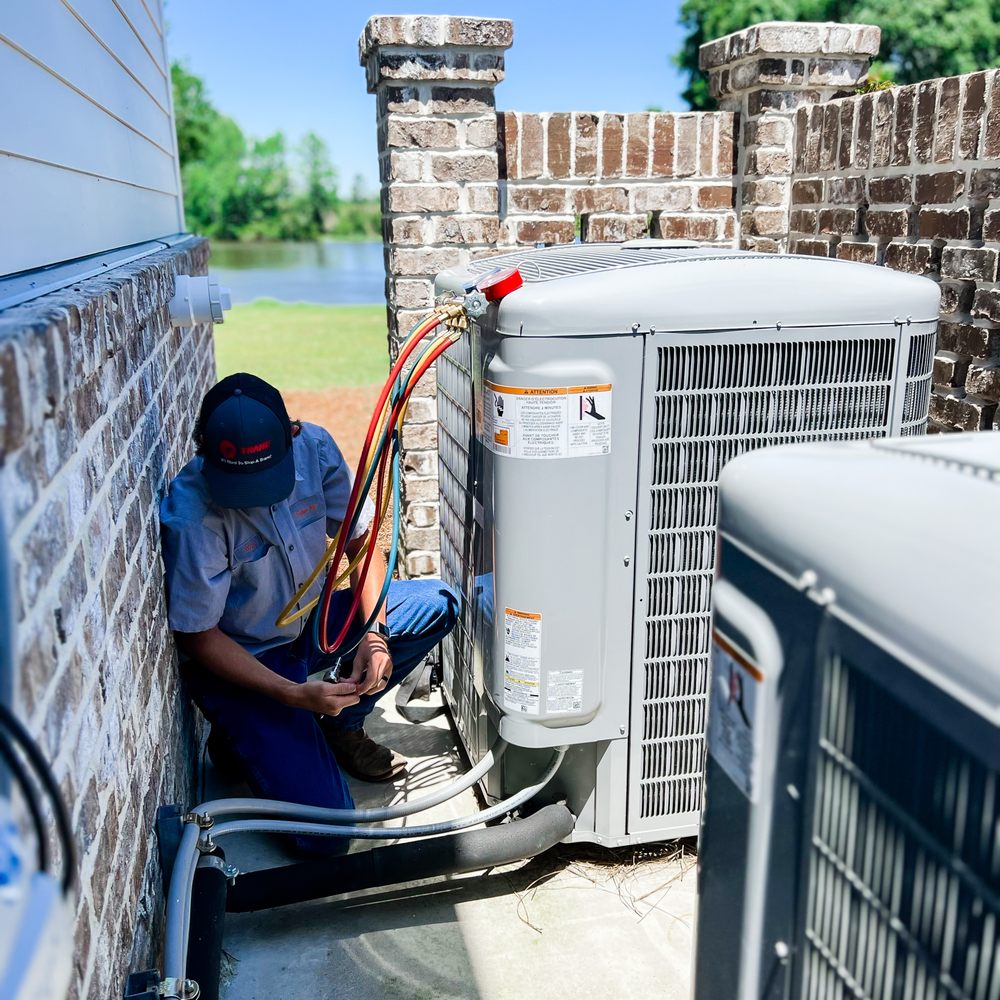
column 434, row 80
column 765, row 73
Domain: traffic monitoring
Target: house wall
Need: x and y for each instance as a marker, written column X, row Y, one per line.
column 98, row 395
column 92, row 136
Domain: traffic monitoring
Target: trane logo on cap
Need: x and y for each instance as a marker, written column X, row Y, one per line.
column 249, row 454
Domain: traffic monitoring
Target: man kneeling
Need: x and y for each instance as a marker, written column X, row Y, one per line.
column 244, row 523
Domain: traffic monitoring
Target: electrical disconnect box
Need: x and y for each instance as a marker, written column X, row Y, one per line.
column 850, row 844
column 583, row 423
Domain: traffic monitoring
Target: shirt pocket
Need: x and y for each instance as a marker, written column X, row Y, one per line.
column 249, row 548
column 309, row 518
column 254, row 598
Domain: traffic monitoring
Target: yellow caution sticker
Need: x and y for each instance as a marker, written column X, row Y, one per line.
column 571, row 421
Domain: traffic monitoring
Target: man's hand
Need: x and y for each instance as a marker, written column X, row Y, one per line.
column 372, row 666
column 324, row 698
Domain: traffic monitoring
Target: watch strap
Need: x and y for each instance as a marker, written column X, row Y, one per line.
column 381, row 629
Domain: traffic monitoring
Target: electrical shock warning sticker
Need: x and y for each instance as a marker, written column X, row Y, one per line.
column 735, row 725
column 552, row 422
column 564, row 691
column 522, row 661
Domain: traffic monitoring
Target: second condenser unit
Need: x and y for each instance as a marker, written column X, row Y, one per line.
column 583, row 423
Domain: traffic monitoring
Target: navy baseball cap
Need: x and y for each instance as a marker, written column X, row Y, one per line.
column 245, row 439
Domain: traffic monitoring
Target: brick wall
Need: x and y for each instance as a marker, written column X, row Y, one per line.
column 910, row 178
column 764, row 74
column 97, row 399
column 623, row 176
column 459, row 180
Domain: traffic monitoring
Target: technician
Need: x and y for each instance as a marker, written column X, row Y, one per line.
column 244, row 523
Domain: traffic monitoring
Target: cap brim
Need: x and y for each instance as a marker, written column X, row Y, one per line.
column 251, row 489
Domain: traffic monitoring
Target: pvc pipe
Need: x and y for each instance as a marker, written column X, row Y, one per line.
column 178, row 909
column 273, row 807
column 392, row 832
column 198, row 299
column 456, row 854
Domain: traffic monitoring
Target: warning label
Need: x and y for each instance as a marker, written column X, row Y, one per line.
column 735, row 732
column 552, row 422
column 522, row 661
column 564, row 692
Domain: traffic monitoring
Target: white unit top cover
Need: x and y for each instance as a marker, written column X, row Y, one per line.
column 651, row 285
column 866, row 518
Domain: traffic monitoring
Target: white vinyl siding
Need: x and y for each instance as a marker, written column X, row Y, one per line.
column 88, row 156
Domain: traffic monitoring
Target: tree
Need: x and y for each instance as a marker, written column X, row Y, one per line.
column 211, row 148
column 320, row 181
column 240, row 188
column 358, row 189
column 921, row 39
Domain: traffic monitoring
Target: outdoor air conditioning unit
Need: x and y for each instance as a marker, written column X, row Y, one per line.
column 850, row 844
column 583, row 423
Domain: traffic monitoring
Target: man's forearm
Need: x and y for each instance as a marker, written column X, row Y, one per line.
column 227, row 659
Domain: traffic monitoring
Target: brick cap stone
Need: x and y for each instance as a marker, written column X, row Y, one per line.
column 791, row 38
column 434, row 32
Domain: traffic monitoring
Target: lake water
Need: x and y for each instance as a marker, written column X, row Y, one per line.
column 327, row 273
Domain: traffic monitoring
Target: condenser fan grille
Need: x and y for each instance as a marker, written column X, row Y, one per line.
column 917, row 391
column 903, row 855
column 712, row 403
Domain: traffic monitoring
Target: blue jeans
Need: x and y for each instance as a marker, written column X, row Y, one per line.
column 282, row 749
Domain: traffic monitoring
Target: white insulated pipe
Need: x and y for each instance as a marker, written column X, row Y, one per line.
column 178, row 907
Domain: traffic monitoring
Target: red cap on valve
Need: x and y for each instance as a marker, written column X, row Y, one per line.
column 495, row 286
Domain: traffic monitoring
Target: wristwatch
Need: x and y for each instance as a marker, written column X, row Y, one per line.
column 381, row 629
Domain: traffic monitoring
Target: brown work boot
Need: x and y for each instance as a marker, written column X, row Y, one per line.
column 361, row 757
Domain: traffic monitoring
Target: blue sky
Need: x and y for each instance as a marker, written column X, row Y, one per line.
column 293, row 64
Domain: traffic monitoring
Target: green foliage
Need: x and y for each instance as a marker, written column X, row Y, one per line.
column 245, row 189
column 304, row 346
column 921, row 39
column 357, row 220
column 872, row 85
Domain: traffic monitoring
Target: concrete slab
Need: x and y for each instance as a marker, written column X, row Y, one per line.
column 576, row 923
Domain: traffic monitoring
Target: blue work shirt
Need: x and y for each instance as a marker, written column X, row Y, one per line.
column 238, row 567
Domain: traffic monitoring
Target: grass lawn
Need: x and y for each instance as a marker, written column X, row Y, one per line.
column 303, row 346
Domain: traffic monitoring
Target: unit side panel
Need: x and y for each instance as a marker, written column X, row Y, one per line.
column 461, row 533
column 563, row 533
column 710, row 398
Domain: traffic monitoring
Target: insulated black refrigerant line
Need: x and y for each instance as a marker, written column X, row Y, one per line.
column 454, row 854
column 14, row 738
